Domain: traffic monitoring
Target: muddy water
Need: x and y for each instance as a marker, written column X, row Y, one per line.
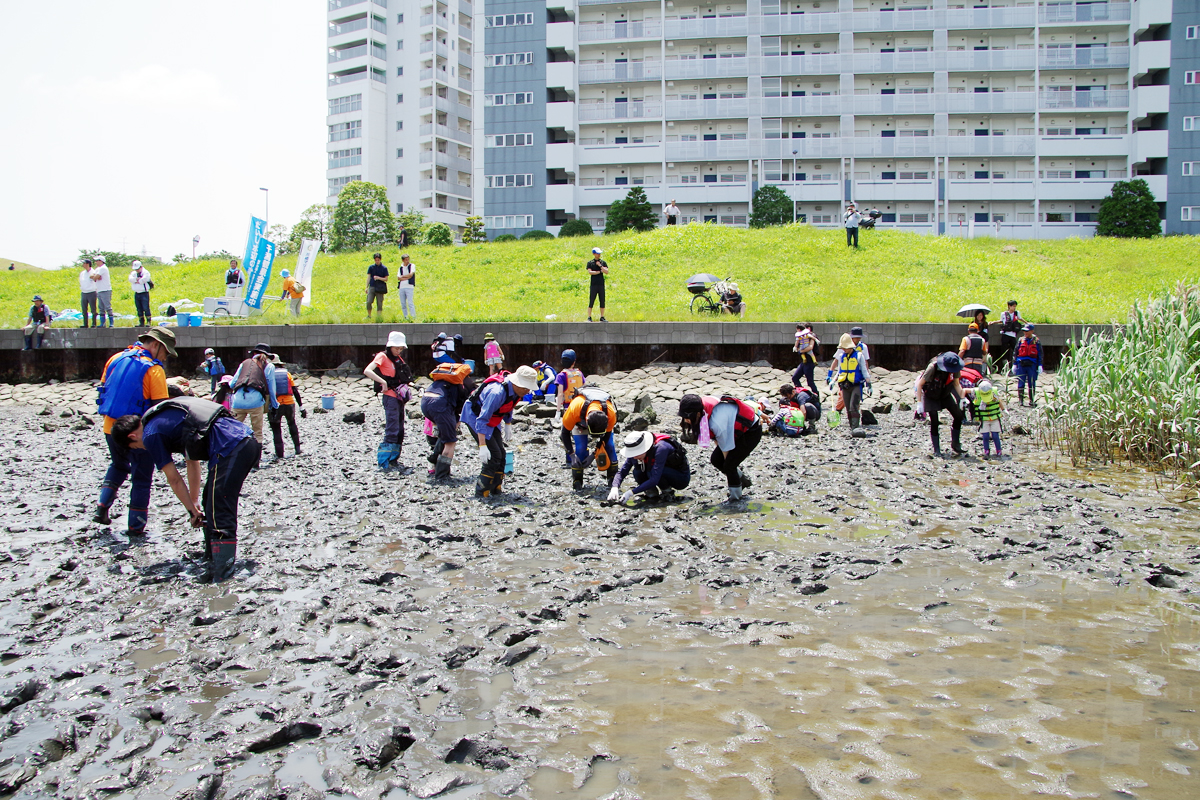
column 871, row 623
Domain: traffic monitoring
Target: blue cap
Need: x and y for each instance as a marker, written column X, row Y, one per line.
column 1028, row 326
column 568, row 355
column 285, row 273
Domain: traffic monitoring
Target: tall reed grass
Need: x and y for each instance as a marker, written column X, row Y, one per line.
column 1132, row 393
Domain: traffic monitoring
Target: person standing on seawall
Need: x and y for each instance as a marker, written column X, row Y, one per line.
column 87, row 292
column 671, row 212
column 377, row 275
column 294, row 293
column 234, row 279
column 597, row 268
column 104, row 292
column 406, row 285
column 139, row 279
column 851, row 219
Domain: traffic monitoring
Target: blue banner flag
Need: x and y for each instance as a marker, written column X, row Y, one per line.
column 258, row 228
column 258, row 272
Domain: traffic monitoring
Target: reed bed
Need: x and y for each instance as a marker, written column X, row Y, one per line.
column 1131, row 393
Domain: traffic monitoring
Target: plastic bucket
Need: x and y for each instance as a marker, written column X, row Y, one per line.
column 470, row 363
column 195, row 320
column 183, row 320
column 327, row 402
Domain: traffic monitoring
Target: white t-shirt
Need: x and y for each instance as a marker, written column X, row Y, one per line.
column 671, row 210
column 86, row 284
column 852, row 219
column 105, row 282
column 404, row 269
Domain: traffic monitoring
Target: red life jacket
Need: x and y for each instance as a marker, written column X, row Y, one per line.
column 1027, row 348
column 476, row 399
column 746, row 417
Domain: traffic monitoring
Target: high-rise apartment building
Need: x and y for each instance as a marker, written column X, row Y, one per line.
column 1012, row 117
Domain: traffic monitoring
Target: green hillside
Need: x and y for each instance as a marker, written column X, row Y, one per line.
column 786, row 274
column 18, row 266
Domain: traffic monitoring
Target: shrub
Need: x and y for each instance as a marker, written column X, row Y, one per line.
column 439, row 235
column 1129, row 211
column 632, row 213
column 771, row 207
column 474, row 231
column 537, row 235
column 505, row 237
column 575, row 227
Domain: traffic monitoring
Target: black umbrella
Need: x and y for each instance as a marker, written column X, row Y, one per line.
column 703, row 277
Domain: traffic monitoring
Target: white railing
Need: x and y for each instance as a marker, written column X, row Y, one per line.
column 337, row 80
column 708, row 68
column 1085, row 12
column 835, row 147
column 606, row 111
column 446, row 132
column 334, row 5
column 1109, row 98
column 446, row 187
column 1084, row 57
column 594, row 32
column 707, row 28
column 347, row 53
column 633, row 71
column 347, row 27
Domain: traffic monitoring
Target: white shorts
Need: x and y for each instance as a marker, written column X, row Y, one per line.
column 991, row 426
column 498, row 360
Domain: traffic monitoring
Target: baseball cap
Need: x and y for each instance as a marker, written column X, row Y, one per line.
column 285, row 274
column 100, row 258
column 1028, row 326
column 137, row 265
column 208, row 351
column 597, row 251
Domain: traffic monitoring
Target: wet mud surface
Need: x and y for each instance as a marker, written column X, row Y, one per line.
column 869, row 623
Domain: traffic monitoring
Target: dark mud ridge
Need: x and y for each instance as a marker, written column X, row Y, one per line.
column 870, row 622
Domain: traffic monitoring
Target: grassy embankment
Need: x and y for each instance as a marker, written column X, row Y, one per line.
column 785, row 274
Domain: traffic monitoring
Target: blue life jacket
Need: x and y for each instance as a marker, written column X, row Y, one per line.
column 215, row 367
column 121, row 391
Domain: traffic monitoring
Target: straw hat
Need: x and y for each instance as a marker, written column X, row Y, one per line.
column 846, row 342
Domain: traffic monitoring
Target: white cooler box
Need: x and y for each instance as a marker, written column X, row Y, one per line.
column 231, row 306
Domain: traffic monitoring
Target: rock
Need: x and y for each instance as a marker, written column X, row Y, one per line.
column 882, row 408
column 354, row 418
column 14, row 777
column 436, row 783
column 377, row 748
column 1162, row 581
column 66, row 413
column 461, row 655
column 622, row 415
column 283, row 734
column 903, row 406
column 344, row 370
column 636, row 422
column 1020, row 430
column 484, row 754
column 868, row 418
column 542, row 411
column 517, row 653
column 320, row 410
column 21, row 695
column 642, row 402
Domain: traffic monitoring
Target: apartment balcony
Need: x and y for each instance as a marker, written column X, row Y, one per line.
column 1148, row 13
column 1157, row 184
column 347, row 54
column 599, row 112
column 560, row 196
column 601, row 2
column 337, row 5
column 1085, row 12
column 1075, row 189
column 1083, row 146
column 618, row 31
column 338, row 80
column 435, row 47
column 1149, row 56
column 446, row 187
column 618, row 73
column 342, row 29
column 561, row 36
column 814, row 191
column 1085, row 58
column 988, row 190
column 1148, row 145
column 465, row 32
column 590, row 155
column 707, row 68
column 1109, row 98
column 562, row 75
column 894, row 191
column 562, row 156
column 700, row 193
column 784, row 24
column 445, row 160
column 445, row 104
column 446, row 132
column 1149, row 100
column 707, row 28
column 733, row 108
column 562, row 115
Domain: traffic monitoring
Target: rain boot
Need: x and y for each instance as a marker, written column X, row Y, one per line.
column 746, row 483
column 137, row 521
column 224, row 558
column 386, row 454
column 1020, row 397
column 735, row 493
column 101, row 516
column 577, row 479
column 28, row 342
column 954, row 443
column 611, row 475
column 483, row 486
column 936, row 438
column 442, row 470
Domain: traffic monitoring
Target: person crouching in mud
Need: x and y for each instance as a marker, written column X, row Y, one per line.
column 735, row 427
column 659, row 464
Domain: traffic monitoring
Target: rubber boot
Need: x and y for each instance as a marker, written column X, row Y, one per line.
column 745, row 479
column 936, row 438
column 483, row 486
column 28, row 342
column 386, row 454
column 137, row 521
column 611, row 475
column 735, row 493
column 224, row 558
column 41, row 337
column 577, row 478
column 1020, row 397
column 442, row 470
column 101, row 516
column 954, row 444
column 652, row 493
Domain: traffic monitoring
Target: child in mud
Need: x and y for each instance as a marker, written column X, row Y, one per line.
column 493, row 356
column 988, row 407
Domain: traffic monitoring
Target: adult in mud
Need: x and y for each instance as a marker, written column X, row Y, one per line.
column 735, row 427
column 442, row 404
column 289, row 399
column 488, row 406
column 806, row 346
column 659, row 465
column 391, row 375
column 199, row 430
column 590, row 417
column 938, row 388
column 254, row 388
column 133, row 380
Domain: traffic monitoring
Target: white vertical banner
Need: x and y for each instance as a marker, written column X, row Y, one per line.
column 304, row 267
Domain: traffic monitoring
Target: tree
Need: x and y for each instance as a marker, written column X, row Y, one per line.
column 575, row 227
column 439, row 235
column 1129, row 211
column 413, row 223
column 537, row 235
column 316, row 222
column 474, row 231
column 771, row 207
column 362, row 218
column 638, row 214
column 281, row 237
column 112, row 260
column 614, row 221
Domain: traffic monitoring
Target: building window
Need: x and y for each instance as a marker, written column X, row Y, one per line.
column 1191, row 168
column 1189, row 77
column 507, row 20
column 345, row 130
column 508, row 99
column 1191, row 31
column 341, row 105
column 399, row 152
column 510, row 59
column 400, row 206
column 399, row 44
column 1085, row 216
column 400, row 19
column 399, row 98
column 510, row 220
column 399, row 71
column 510, row 140
column 336, row 184
column 1052, row 216
column 1191, row 123
column 1189, row 213
column 399, row 180
column 508, row 181
column 345, row 158
column 399, row 124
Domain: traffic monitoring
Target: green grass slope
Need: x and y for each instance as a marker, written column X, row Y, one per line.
column 786, row 274
column 17, row 265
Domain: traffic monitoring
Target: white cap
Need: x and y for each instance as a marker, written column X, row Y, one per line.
column 98, row 257
column 597, row 251
column 137, row 265
column 396, row 339
column 526, row 377
column 209, row 351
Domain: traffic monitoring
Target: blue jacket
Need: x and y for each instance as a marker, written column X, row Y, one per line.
column 491, row 397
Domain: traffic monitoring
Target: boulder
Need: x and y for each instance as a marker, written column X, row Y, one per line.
column 882, row 408
column 868, row 418
column 354, row 418
column 637, row 422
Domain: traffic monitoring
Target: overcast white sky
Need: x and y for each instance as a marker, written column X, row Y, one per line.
column 132, row 124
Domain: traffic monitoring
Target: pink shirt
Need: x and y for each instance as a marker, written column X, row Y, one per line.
column 492, row 350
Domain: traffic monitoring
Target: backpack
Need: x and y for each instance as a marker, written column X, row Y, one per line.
column 678, row 458
column 451, row 373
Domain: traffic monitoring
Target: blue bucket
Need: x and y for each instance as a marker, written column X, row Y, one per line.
column 327, row 402
column 195, row 321
column 471, row 363
column 183, row 320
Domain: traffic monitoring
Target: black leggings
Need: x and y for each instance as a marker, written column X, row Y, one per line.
column 597, row 291
column 805, row 372
column 743, row 445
